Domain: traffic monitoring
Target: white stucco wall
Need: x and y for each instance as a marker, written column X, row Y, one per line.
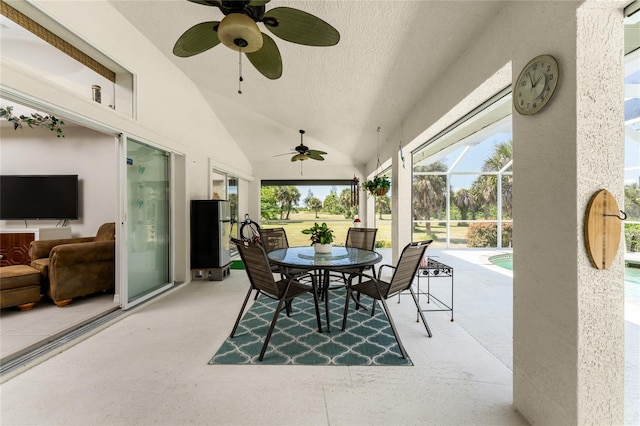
column 37, row 151
column 600, row 156
column 568, row 317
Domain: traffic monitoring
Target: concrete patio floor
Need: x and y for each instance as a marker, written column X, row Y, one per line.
column 150, row 367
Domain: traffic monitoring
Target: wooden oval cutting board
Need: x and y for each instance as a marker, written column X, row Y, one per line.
column 602, row 229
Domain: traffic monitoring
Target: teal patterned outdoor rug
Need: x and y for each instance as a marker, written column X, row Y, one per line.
column 295, row 340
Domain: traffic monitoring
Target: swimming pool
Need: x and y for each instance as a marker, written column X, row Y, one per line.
column 631, row 274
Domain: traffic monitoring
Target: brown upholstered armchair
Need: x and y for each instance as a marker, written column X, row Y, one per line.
column 76, row 267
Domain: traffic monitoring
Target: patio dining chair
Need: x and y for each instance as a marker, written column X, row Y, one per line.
column 401, row 280
column 273, row 239
column 364, row 238
column 262, row 280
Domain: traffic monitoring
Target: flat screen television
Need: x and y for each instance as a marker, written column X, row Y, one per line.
column 38, row 197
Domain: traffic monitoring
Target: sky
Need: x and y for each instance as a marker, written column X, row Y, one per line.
column 320, row 192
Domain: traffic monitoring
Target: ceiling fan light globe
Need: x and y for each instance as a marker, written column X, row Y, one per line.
column 239, row 32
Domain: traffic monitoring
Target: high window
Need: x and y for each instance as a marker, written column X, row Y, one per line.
column 462, row 181
column 57, row 55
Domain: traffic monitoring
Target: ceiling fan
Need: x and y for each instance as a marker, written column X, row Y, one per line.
column 239, row 31
column 302, row 152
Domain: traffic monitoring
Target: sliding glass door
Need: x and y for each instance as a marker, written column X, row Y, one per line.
column 148, row 221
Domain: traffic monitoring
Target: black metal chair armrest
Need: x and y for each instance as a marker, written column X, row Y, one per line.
column 382, row 266
column 361, row 274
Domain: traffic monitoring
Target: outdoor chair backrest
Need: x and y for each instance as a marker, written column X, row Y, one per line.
column 257, row 266
column 273, row 238
column 407, row 266
column 364, row 238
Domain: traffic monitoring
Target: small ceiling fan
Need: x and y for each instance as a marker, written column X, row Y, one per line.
column 239, row 31
column 302, row 152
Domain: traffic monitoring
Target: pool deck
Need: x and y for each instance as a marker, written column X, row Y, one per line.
column 632, row 258
column 484, row 308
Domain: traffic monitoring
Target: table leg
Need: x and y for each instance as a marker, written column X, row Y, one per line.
column 325, row 289
column 314, row 288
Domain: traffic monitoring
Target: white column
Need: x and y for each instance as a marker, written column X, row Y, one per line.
column 568, row 326
column 401, row 204
column 600, row 160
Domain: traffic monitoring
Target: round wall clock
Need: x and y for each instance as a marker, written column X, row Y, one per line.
column 535, row 84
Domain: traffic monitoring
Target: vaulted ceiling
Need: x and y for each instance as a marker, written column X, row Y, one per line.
column 389, row 53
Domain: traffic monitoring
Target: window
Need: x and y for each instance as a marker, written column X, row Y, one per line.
column 223, row 186
column 296, row 205
column 54, row 55
column 462, row 180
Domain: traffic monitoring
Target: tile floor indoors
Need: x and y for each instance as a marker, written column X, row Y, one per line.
column 21, row 331
column 150, row 367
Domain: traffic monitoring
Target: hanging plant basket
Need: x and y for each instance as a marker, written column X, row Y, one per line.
column 380, row 191
column 377, row 186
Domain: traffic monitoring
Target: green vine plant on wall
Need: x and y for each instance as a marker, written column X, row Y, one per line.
column 36, row 120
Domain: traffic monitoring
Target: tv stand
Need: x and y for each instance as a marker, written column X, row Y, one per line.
column 14, row 242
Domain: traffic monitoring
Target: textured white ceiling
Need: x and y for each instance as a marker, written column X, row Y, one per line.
column 388, row 55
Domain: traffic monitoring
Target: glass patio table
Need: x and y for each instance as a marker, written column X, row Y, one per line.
column 339, row 260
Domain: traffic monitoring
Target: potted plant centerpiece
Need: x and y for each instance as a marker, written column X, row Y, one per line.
column 321, row 237
column 378, row 186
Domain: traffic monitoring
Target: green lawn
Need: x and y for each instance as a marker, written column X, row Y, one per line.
column 299, row 221
column 439, row 234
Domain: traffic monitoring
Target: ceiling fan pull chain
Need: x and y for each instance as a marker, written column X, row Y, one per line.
column 240, row 71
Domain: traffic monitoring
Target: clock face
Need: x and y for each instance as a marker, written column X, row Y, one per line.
column 535, row 84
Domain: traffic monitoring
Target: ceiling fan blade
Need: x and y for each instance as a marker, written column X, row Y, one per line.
column 300, row 157
column 300, row 27
column 314, row 155
column 207, row 2
column 315, row 151
column 197, row 39
column 258, row 2
column 267, row 60
column 286, row 153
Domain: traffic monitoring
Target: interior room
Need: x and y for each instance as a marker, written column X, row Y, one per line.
column 96, row 205
column 161, row 109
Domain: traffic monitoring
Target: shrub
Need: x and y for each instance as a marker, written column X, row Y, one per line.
column 383, row 244
column 486, row 235
column 632, row 237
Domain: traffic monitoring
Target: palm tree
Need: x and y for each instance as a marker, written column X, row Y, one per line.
column 314, row 203
column 429, row 193
column 465, row 201
column 287, row 197
column 485, row 192
column 486, row 186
